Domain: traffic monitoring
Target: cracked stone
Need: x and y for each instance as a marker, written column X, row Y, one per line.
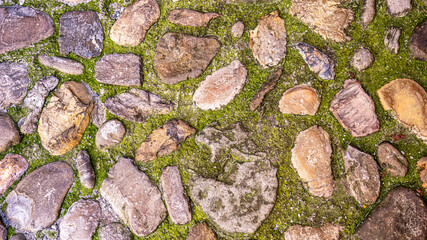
column 187, row 17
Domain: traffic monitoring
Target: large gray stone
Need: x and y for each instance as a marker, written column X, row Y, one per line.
column 119, row 69
column 14, row 84
column 10, row 135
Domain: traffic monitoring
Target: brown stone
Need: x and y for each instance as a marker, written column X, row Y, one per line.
column 10, row 135
column 422, row 168
column 12, row 167
column 299, row 100
column 119, row 69
column 64, row 65
column 392, row 160
column 187, row 17
column 265, row 88
column 110, row 134
column 85, row 168
column 201, row 232
column 81, row 220
column 418, row 44
column 326, row 232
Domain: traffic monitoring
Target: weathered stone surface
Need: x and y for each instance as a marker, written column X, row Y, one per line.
column 368, row 12
column 418, row 44
column 11, row 169
column 265, row 88
column 392, row 160
column 221, row 87
column 14, row 84
column 398, row 8
column 3, row 231
column 130, row 29
column 408, row 100
column 85, row 168
column 81, row 33
column 201, row 232
column 119, row 69
column 64, row 65
column 73, row 2
column 317, row 61
column 81, row 220
column 422, row 168
column 326, row 232
column 114, row 231
column 187, row 17
column 362, row 59
column 237, row 29
column 23, row 26
column 179, row 56
column 133, row 197
column 164, row 140
column 362, row 178
column 300, row 100
column 99, row 112
column 355, row 110
column 137, row 105
column 18, row 236
column 241, row 204
column 110, row 134
column 391, row 39
column 248, row 1
column 400, row 215
column 324, row 17
column 311, row 158
column 34, row 103
column 65, row 118
column 32, row 207
column 10, row 135
column 268, row 40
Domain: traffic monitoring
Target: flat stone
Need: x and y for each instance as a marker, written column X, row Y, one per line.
column 326, row 232
column 398, row 8
column 10, row 135
column 362, row 178
column 221, row 87
column 317, row 61
column 301, row 100
column 238, row 29
column 179, row 56
column 119, row 69
column 311, row 158
column 12, row 167
column 134, row 197
column 187, row 17
column 408, row 100
column 362, row 59
column 164, row 140
column 23, row 26
column 422, row 168
column 391, row 39
column 418, row 44
column 85, row 168
column 28, row 207
column 65, row 118
column 268, row 40
column 61, row 64
column 34, row 103
column 99, row 112
column 400, row 215
column 265, row 88
column 324, row 17
column 137, row 105
column 201, row 232
column 14, row 84
column 110, row 134
column 175, row 196
column 114, row 231
column 392, row 160
column 355, row 110
column 368, row 12
column 81, row 33
column 18, row 236
column 130, row 28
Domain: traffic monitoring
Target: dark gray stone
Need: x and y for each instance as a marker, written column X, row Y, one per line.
column 14, row 84
column 317, row 61
column 10, row 135
column 119, row 69
column 418, row 45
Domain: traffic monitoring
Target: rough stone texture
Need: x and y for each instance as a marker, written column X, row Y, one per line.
column 400, row 215
column 398, row 8
column 110, row 134
column 81, row 220
column 418, row 44
column 85, row 168
column 133, row 197
column 391, row 39
column 64, row 65
column 324, row 17
column 392, row 160
column 137, row 105
column 65, row 118
column 201, row 232
column 179, row 56
column 422, row 168
column 265, row 88
column 268, row 40
column 119, row 69
column 248, row 1
column 408, row 100
column 363, row 180
column 18, row 236
column 326, row 232
column 73, row 2
column 3, row 231
column 300, row 100
column 243, row 201
column 10, row 135
column 355, row 110
column 130, row 28
column 317, row 61
column 238, row 29
column 164, row 140
column 221, row 87
column 32, row 207
column 187, row 17
column 99, row 112
column 362, row 59
column 114, row 231
column 14, row 84
column 311, row 158
column 11, row 169
column 175, row 196
column 23, row 26
column 81, row 33
column 368, row 12
column 34, row 103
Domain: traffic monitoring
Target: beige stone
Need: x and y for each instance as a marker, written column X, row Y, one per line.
column 187, row 17
column 299, row 100
column 422, row 168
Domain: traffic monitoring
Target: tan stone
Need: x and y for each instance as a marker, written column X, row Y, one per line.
column 391, row 160
column 326, row 232
column 201, row 232
column 422, row 168
column 300, row 100
column 187, row 17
